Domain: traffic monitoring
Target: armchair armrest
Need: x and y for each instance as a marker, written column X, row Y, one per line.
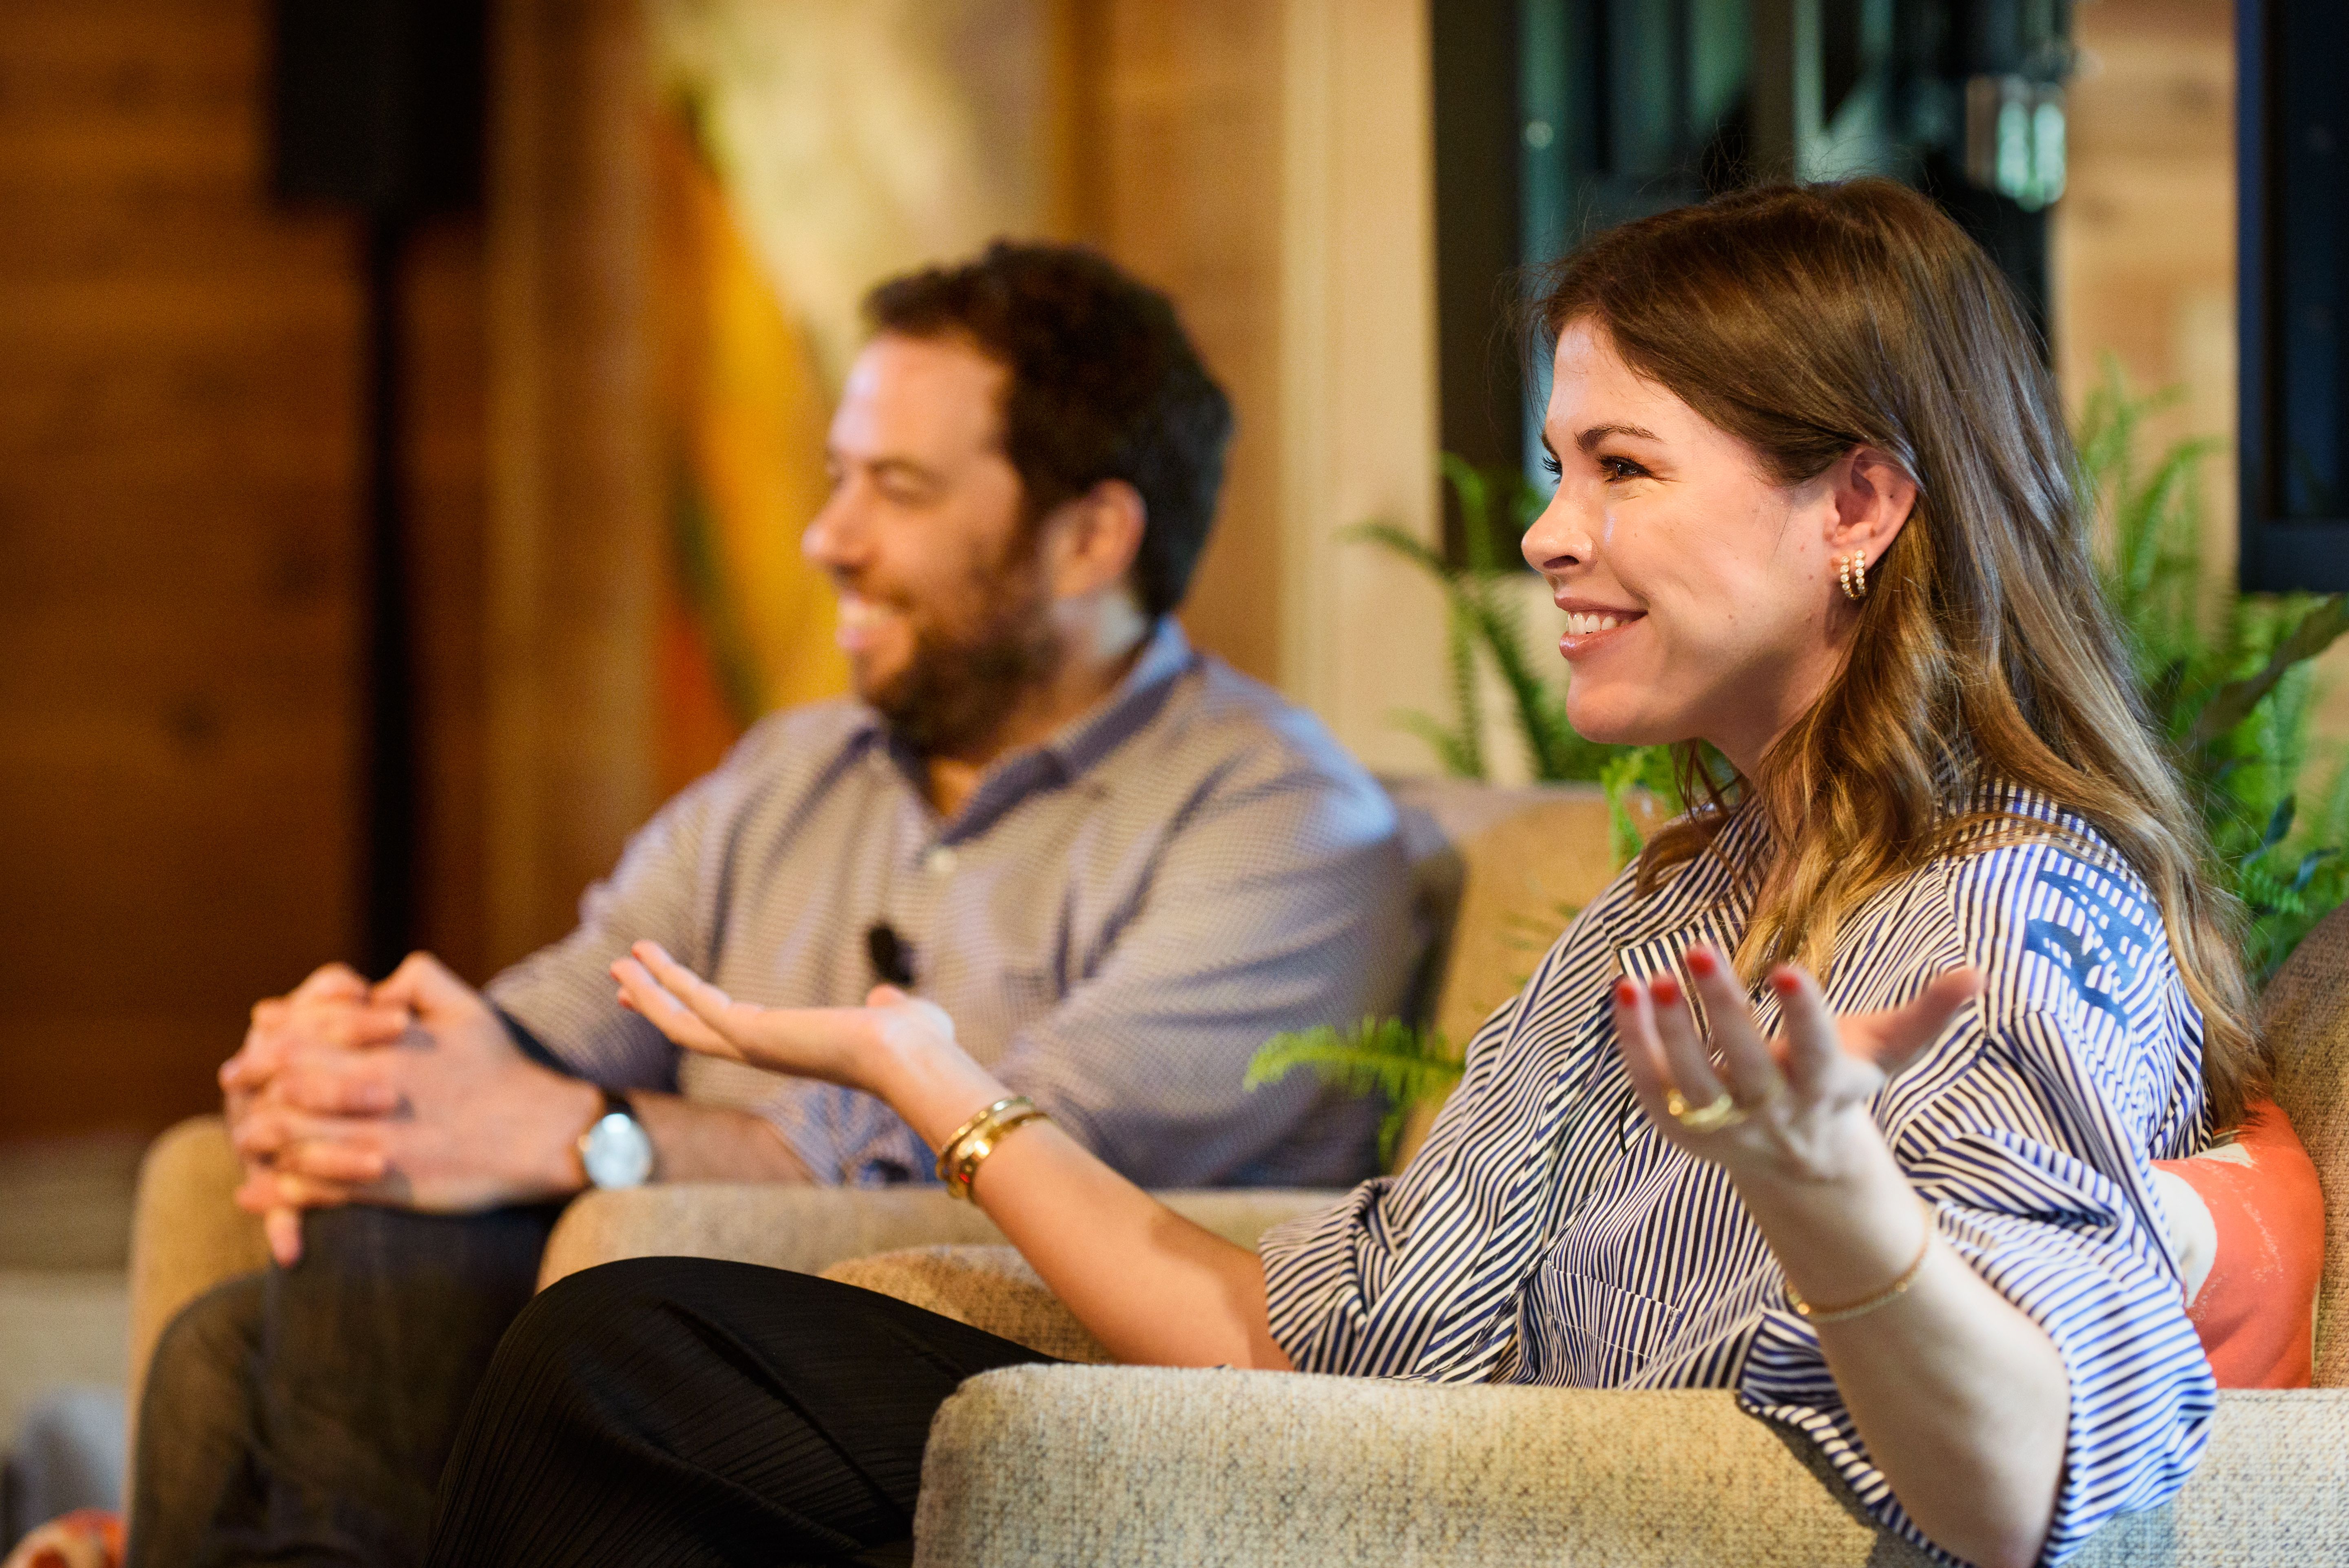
column 187, row 1234
column 1043, row 1466
column 809, row 1229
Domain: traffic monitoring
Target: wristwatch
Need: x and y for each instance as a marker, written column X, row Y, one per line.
column 616, row 1150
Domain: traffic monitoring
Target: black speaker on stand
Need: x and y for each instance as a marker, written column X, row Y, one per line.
column 376, row 107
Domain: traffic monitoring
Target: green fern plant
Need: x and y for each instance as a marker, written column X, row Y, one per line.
column 1384, row 1057
column 2227, row 678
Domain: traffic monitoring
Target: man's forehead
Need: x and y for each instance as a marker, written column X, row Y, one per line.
column 934, row 395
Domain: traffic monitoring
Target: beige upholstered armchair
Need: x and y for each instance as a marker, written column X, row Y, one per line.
column 1069, row 1465
column 1491, row 868
column 1090, row 1464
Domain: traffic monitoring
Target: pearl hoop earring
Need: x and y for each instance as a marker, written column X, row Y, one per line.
column 1851, row 571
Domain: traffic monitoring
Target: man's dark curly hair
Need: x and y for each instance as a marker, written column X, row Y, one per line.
column 1102, row 385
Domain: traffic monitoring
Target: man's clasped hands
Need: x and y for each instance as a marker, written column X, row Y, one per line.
column 409, row 1091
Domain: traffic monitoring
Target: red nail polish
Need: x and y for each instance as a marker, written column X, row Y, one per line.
column 1626, row 994
column 1700, row 961
column 1665, row 990
column 1785, row 984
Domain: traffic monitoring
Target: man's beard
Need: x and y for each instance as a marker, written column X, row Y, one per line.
column 961, row 683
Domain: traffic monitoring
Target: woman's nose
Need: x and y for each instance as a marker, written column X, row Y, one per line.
column 1559, row 538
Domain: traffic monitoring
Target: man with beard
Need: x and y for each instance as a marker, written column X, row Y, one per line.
column 1117, row 864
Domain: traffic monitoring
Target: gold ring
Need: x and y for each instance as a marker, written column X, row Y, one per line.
column 1725, row 1111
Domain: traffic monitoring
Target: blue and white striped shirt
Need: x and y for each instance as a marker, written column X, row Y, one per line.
column 1548, row 1233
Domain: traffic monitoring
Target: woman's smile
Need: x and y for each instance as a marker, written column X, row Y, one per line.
column 1589, row 625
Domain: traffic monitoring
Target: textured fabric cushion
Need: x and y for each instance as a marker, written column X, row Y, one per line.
column 187, row 1234
column 1525, row 858
column 2306, row 1013
column 809, row 1229
column 2249, row 1219
column 1069, row 1466
column 990, row 1288
column 1501, row 872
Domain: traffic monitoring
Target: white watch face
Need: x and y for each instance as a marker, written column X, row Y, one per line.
column 617, row 1152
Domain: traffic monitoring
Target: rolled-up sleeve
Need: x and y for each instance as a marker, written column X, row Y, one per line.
column 2073, row 1250
column 562, row 994
column 1416, row 1275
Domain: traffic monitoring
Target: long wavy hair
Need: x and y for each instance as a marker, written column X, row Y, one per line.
column 1809, row 320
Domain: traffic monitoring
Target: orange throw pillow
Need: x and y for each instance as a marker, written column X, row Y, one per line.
column 2249, row 1218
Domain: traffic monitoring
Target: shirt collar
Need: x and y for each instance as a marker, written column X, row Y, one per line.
column 1070, row 752
column 1133, row 703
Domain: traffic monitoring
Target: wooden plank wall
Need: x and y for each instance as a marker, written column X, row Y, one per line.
column 178, row 457
column 447, row 507
column 2144, row 244
column 573, row 525
column 1175, row 171
column 180, row 474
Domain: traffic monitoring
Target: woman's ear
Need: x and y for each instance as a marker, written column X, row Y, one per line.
column 1873, row 497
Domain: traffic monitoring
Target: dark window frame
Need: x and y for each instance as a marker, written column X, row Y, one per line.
column 2276, row 555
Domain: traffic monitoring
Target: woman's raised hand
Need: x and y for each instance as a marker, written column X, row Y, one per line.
column 1786, row 1102
column 838, row 1044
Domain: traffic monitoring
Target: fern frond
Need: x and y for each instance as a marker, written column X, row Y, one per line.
column 1453, row 754
column 1384, row 1057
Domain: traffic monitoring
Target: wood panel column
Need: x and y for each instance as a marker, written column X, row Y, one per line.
column 574, row 510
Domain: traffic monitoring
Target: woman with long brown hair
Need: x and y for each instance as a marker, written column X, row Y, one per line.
column 1961, row 979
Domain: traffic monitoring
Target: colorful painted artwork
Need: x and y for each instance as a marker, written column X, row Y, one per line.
column 804, row 149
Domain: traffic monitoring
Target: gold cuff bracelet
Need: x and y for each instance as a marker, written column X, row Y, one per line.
column 961, row 1155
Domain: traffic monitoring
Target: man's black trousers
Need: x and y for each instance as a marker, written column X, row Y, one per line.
column 664, row 1410
column 681, row 1412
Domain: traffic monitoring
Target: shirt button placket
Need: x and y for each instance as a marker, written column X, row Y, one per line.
column 919, row 901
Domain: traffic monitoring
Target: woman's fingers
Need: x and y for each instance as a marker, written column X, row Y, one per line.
column 1744, row 1056
column 1642, row 1053
column 1678, row 1044
column 1814, row 1055
column 645, row 994
column 1901, row 1034
column 1829, row 1057
column 813, row 1042
column 702, row 999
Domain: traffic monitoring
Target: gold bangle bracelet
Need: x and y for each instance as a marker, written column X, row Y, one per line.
column 953, row 1138
column 982, row 1143
column 1884, row 1297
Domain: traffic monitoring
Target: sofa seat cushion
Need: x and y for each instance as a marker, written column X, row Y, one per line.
column 989, row 1288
